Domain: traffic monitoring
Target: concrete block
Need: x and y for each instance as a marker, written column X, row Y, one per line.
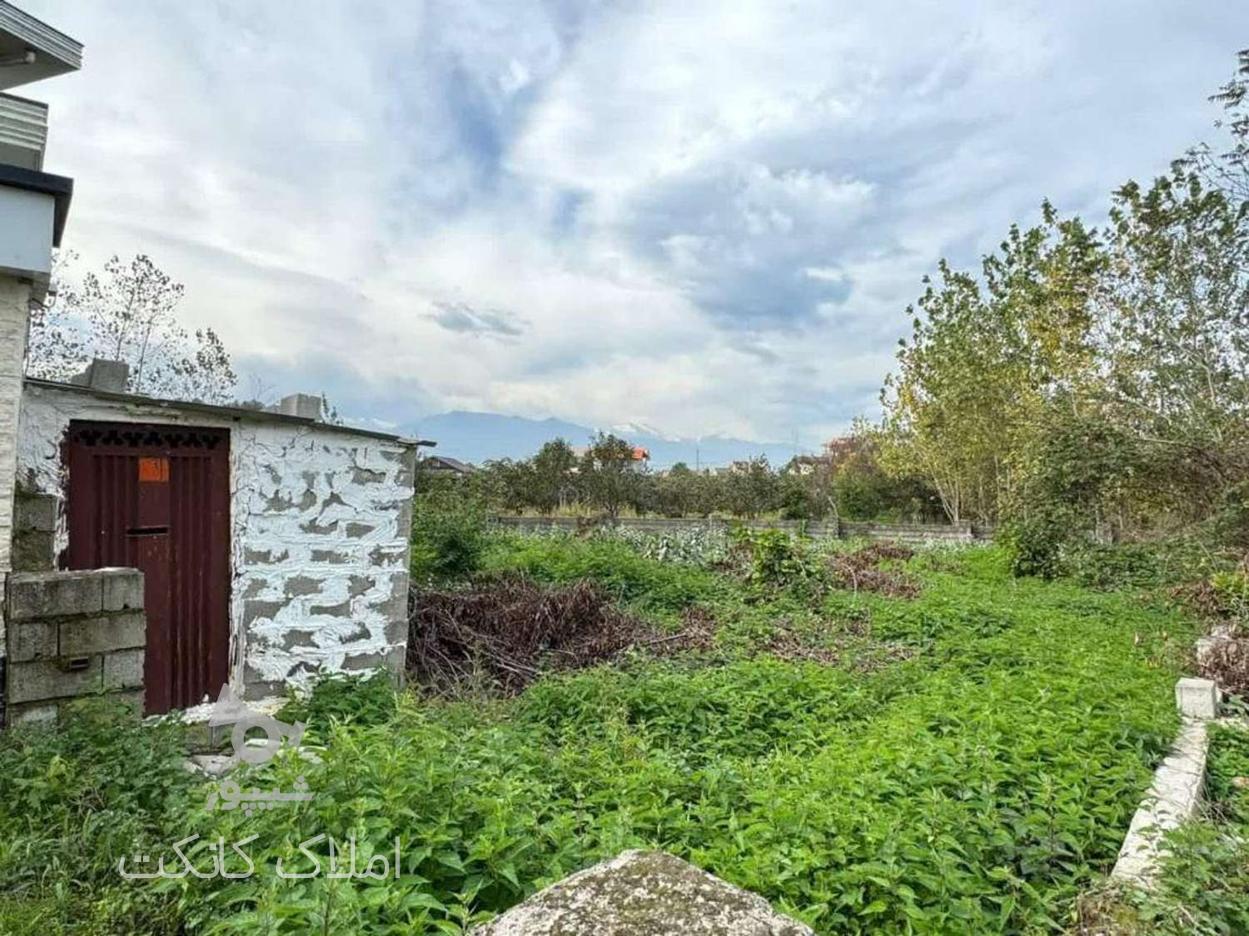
column 122, row 590
column 34, row 551
column 263, row 689
column 1197, row 698
column 303, row 405
column 35, row 512
column 54, row 594
column 123, row 669
column 1172, row 798
column 331, row 556
column 396, row 631
column 32, row 640
column 119, row 631
column 101, row 374
column 40, row 714
column 53, row 679
column 364, row 661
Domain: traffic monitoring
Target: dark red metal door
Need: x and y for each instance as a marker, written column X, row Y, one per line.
column 157, row 498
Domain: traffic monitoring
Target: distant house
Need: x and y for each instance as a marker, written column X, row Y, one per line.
column 640, row 457
column 441, row 466
column 805, row 465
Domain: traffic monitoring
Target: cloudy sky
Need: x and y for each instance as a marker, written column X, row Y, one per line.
column 702, row 216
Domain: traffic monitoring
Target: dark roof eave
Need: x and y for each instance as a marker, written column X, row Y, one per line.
column 61, row 188
column 226, row 412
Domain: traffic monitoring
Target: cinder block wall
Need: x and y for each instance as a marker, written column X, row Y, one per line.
column 34, row 531
column 73, row 634
column 903, row 532
column 14, row 314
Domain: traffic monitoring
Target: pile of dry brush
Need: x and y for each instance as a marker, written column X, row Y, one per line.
column 860, row 570
column 505, row 632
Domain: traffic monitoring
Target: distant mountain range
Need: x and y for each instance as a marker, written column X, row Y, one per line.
column 478, row 437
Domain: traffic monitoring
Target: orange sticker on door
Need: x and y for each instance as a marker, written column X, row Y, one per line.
column 154, row 470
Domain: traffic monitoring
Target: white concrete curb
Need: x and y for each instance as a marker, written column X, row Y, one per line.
column 1177, row 787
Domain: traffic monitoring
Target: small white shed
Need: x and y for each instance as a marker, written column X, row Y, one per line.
column 274, row 546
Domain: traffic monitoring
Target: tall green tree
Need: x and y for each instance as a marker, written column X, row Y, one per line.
column 985, row 355
column 609, row 476
column 751, row 488
column 554, row 476
column 1175, row 318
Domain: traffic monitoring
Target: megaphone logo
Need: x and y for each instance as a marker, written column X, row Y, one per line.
column 253, row 750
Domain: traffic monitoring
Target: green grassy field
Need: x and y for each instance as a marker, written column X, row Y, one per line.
column 962, row 761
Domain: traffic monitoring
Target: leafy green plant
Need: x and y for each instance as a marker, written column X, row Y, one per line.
column 774, row 558
column 696, row 545
column 448, row 534
column 73, row 800
column 364, row 699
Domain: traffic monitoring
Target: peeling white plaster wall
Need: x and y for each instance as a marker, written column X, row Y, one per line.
column 319, row 521
column 320, row 545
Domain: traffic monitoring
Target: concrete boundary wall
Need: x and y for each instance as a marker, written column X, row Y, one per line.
column 840, row 529
column 1177, row 788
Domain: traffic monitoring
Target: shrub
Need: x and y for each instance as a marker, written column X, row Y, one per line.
column 647, row 585
column 448, row 535
column 73, row 800
column 365, row 699
column 1035, row 545
column 774, row 558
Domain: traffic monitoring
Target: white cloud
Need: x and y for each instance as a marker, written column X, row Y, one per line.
column 702, row 216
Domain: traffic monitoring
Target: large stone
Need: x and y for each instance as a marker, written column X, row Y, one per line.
column 643, row 894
